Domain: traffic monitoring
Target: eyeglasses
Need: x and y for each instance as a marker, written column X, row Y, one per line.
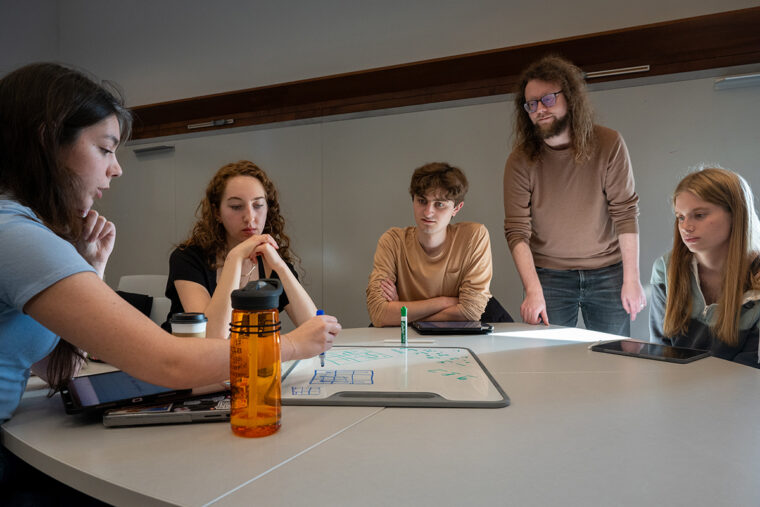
column 548, row 100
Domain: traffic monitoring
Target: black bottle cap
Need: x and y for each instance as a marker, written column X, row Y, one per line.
column 261, row 294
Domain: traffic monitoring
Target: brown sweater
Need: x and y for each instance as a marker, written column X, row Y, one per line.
column 462, row 269
column 571, row 213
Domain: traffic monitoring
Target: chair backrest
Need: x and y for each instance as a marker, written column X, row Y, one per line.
column 152, row 285
column 494, row 312
column 160, row 309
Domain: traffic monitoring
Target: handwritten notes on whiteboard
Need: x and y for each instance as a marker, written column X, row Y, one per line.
column 393, row 376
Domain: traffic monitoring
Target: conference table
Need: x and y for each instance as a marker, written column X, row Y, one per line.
column 583, row 428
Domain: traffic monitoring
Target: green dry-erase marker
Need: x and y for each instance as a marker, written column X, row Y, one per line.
column 403, row 326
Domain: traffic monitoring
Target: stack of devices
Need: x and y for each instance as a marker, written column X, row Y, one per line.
column 126, row 401
column 123, row 400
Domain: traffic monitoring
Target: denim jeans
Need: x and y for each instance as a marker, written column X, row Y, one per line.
column 595, row 291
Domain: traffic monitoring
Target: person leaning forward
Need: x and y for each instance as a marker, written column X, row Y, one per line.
column 571, row 210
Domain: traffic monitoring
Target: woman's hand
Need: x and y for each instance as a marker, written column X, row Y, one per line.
column 272, row 260
column 96, row 242
column 311, row 338
column 248, row 248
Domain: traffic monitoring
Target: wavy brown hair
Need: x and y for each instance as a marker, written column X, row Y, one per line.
column 43, row 109
column 208, row 232
column 555, row 69
column 439, row 175
column 741, row 270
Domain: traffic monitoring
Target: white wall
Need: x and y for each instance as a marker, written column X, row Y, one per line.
column 344, row 182
column 170, row 49
column 28, row 32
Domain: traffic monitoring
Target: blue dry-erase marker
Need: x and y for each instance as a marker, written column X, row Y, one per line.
column 322, row 355
column 403, row 326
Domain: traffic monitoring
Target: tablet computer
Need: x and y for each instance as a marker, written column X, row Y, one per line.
column 648, row 350
column 95, row 393
column 453, row 327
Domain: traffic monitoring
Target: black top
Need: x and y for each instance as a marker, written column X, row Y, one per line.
column 190, row 264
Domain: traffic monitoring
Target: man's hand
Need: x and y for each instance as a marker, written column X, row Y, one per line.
column 633, row 298
column 533, row 309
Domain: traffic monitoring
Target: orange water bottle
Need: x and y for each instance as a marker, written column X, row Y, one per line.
column 255, row 359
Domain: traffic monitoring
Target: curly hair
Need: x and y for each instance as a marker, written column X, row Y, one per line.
column 570, row 79
column 208, row 232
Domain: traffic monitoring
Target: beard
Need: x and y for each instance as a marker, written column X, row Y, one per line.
column 555, row 128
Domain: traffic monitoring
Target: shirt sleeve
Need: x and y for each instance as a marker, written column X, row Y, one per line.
column 384, row 267
column 657, row 304
column 517, row 200
column 187, row 264
column 32, row 258
column 474, row 291
column 622, row 200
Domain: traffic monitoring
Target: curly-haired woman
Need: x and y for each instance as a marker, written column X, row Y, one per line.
column 239, row 224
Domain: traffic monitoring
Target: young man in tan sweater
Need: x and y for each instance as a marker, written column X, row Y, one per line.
column 571, row 211
column 438, row 270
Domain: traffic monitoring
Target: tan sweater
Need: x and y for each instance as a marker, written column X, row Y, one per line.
column 571, row 213
column 462, row 269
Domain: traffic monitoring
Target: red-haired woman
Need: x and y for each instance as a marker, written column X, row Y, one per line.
column 706, row 291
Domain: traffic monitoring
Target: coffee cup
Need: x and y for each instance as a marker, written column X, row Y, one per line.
column 190, row 324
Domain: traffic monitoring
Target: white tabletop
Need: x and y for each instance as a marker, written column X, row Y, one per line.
column 584, row 428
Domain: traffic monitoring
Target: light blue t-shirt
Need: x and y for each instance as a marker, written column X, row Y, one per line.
column 32, row 258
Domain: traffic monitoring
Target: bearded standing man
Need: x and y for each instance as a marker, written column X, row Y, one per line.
column 571, row 210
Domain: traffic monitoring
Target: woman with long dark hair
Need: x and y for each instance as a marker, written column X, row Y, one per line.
column 59, row 131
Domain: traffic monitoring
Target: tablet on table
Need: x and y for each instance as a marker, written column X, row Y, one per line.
column 451, row 327
column 648, row 350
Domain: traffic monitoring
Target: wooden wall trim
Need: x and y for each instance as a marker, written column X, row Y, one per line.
column 718, row 40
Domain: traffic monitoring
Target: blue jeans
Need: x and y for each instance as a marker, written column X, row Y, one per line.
column 595, row 291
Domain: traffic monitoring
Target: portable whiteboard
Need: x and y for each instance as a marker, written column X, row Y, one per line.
column 394, row 377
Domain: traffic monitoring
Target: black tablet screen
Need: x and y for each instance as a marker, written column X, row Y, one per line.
column 475, row 324
column 653, row 350
column 103, row 388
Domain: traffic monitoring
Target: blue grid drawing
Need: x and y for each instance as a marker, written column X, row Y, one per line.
column 306, row 391
column 360, row 377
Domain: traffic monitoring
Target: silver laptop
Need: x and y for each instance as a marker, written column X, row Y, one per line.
column 212, row 407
